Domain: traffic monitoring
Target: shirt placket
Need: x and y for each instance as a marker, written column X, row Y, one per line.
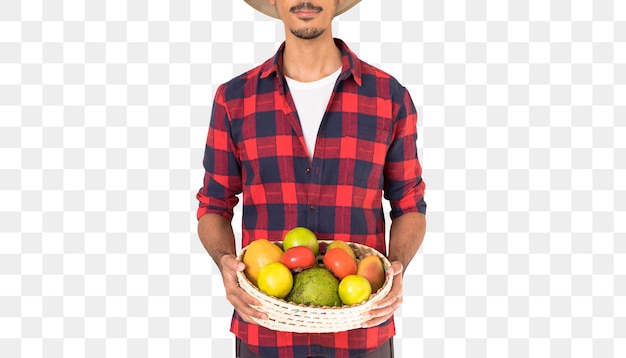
column 318, row 166
column 314, row 194
column 315, row 167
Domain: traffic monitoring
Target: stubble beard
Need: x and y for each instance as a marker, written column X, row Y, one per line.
column 307, row 33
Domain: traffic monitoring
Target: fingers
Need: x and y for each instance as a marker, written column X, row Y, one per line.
column 245, row 308
column 240, row 299
column 244, row 304
column 384, row 309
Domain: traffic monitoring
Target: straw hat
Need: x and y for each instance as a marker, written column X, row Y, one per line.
column 269, row 10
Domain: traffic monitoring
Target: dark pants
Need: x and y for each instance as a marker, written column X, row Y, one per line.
column 384, row 351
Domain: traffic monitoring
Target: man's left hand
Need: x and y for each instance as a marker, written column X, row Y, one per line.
column 384, row 309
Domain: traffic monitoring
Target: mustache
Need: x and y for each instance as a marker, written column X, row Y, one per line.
column 305, row 6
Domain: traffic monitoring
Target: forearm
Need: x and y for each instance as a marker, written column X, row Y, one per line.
column 216, row 234
column 217, row 237
column 406, row 236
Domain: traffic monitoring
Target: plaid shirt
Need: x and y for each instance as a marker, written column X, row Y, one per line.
column 365, row 147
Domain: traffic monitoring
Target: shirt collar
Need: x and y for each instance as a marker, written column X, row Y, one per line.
column 351, row 65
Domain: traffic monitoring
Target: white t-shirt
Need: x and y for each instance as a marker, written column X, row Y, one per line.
column 311, row 99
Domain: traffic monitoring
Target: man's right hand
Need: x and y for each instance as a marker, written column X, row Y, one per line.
column 239, row 298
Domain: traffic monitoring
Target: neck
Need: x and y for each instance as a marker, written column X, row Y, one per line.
column 310, row 60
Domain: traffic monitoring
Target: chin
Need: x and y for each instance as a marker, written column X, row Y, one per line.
column 307, row 33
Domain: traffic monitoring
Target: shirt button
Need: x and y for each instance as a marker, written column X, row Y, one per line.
column 313, row 207
column 307, row 170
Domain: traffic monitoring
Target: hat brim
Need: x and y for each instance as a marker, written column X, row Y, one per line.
column 269, row 10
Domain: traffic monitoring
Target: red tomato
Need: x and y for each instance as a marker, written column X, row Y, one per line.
column 298, row 258
column 339, row 262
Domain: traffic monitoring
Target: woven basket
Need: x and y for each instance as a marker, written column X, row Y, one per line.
column 291, row 317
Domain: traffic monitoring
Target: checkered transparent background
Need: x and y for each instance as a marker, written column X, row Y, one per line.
column 104, row 108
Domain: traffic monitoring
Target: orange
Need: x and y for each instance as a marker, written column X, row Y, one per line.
column 354, row 289
column 275, row 279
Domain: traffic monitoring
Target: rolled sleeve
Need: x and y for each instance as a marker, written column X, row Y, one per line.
column 222, row 178
column 404, row 187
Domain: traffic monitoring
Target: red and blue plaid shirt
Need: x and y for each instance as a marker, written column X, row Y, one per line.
column 365, row 147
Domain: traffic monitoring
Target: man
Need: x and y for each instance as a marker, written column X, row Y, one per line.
column 313, row 137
